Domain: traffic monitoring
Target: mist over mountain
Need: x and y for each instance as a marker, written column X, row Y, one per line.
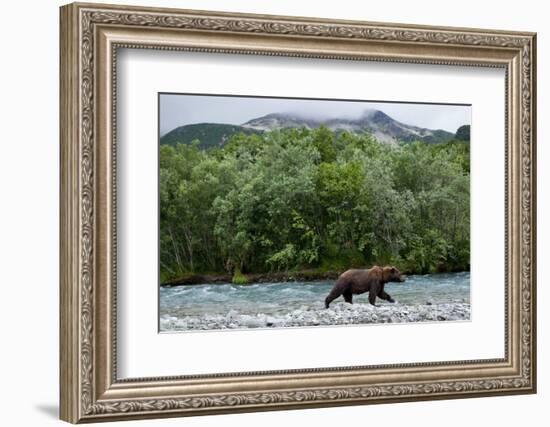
column 384, row 128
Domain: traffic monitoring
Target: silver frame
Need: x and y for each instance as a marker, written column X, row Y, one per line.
column 90, row 37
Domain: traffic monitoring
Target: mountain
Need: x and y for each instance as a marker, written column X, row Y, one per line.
column 384, row 128
column 379, row 124
column 280, row 121
column 209, row 134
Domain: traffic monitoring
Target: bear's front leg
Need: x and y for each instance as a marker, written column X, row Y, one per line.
column 386, row 296
column 372, row 298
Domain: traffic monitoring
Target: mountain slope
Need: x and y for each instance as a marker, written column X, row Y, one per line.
column 209, row 134
column 379, row 124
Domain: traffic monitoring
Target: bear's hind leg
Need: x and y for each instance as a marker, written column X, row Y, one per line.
column 372, row 298
column 336, row 291
column 348, row 296
column 332, row 296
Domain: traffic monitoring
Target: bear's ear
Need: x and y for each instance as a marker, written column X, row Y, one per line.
column 393, row 269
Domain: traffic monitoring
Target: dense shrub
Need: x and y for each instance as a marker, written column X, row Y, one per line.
column 298, row 198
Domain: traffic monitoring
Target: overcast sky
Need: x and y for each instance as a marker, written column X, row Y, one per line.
column 177, row 110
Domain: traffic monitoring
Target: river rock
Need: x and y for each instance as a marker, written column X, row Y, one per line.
column 338, row 314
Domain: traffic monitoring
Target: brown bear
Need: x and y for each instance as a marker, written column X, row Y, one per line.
column 356, row 281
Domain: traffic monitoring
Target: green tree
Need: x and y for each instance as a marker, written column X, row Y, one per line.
column 300, row 198
column 463, row 133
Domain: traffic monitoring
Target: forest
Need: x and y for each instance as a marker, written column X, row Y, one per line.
column 313, row 199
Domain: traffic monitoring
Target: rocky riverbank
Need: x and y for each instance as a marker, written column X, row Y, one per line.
column 338, row 314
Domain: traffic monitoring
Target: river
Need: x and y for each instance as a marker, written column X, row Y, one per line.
column 432, row 297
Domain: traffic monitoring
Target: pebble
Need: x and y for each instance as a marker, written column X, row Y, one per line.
column 338, row 314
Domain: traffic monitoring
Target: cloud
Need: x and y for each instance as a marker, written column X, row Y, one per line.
column 182, row 109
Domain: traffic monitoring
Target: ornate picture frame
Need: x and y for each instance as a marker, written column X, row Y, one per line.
column 90, row 37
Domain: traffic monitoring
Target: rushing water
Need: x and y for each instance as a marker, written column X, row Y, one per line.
column 220, row 306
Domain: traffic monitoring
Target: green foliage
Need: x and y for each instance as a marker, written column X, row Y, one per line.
column 239, row 278
column 463, row 133
column 313, row 199
column 323, row 141
column 209, row 134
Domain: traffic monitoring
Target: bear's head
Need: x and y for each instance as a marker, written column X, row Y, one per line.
column 392, row 274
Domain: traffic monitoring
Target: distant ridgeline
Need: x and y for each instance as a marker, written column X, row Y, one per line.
column 378, row 124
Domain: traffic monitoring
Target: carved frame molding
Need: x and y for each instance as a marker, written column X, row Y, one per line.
column 90, row 36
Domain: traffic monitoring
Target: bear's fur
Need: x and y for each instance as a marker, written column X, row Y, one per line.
column 357, row 281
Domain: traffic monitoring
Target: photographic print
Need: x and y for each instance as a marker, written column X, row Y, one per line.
column 270, row 184
column 289, row 212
